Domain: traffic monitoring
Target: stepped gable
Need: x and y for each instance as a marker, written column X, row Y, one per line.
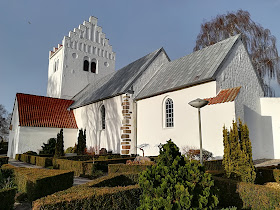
column 40, row 111
column 196, row 68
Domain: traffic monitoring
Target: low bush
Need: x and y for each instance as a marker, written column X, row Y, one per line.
column 213, row 165
column 33, row 159
column 7, row 198
column 85, row 167
column 226, row 191
column 258, row 196
column 276, row 175
column 78, row 158
column 25, row 158
column 44, row 161
column 37, row 183
column 30, row 153
column 18, row 156
column 101, row 193
column 3, row 160
column 122, row 168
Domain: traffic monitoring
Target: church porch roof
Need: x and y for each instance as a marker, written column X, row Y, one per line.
column 41, row 111
column 225, row 95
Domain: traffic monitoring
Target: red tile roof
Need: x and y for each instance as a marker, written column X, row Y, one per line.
column 226, row 95
column 40, row 111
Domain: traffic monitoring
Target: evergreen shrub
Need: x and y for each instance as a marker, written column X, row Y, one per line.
column 96, row 195
column 122, row 168
column 49, row 148
column 36, row 182
column 44, row 161
column 18, row 157
column 81, row 147
column 7, row 198
column 237, row 159
column 59, row 146
column 175, row 183
column 3, row 160
column 259, row 196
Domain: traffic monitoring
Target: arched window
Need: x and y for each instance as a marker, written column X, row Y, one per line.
column 169, row 113
column 86, row 65
column 102, row 115
column 93, row 67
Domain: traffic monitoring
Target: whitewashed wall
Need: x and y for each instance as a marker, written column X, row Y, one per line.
column 150, row 120
column 270, row 127
column 32, row 138
column 89, row 41
column 88, row 117
column 14, row 133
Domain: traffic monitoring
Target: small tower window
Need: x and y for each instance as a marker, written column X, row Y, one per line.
column 102, row 113
column 93, row 67
column 86, row 65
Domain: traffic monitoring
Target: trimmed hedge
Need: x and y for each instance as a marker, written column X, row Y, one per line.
column 267, row 174
column 226, row 191
column 213, row 165
column 18, row 156
column 259, row 196
column 96, row 195
column 86, row 167
column 37, row 182
column 3, row 160
column 7, row 198
column 33, row 159
column 122, row 168
column 44, row 161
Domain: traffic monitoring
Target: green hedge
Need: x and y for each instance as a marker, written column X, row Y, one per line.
column 96, row 195
column 122, row 168
column 7, row 198
column 33, row 159
column 44, row 161
column 259, row 196
column 18, row 156
column 86, row 168
column 267, row 174
column 226, row 191
column 213, row 165
column 3, row 160
column 37, row 182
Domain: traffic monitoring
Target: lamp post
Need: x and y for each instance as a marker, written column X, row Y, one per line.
column 199, row 103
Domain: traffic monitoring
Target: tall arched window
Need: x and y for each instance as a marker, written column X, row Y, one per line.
column 169, row 113
column 86, row 65
column 93, row 67
column 102, row 115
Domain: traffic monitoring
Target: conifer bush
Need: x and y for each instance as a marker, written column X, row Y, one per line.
column 176, row 183
column 237, row 160
column 81, row 147
column 49, row 148
column 59, row 146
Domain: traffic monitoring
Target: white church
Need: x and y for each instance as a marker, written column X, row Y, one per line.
column 146, row 102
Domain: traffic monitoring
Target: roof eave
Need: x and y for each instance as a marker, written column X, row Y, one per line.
column 177, row 88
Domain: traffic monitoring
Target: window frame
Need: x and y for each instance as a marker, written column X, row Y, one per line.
column 168, row 113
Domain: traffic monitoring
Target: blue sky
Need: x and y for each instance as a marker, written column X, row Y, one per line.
column 134, row 28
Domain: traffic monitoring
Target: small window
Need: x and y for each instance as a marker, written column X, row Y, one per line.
column 169, row 113
column 102, row 113
column 86, row 65
column 93, row 67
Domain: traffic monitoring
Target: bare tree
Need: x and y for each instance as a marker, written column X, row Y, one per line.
column 4, row 123
column 259, row 42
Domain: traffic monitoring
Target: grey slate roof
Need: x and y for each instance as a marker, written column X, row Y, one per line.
column 114, row 84
column 192, row 69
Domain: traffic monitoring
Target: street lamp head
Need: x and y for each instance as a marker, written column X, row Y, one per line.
column 198, row 103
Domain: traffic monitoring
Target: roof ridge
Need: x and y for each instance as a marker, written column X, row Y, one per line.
column 42, row 96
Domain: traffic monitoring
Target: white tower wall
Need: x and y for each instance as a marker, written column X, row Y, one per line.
column 87, row 42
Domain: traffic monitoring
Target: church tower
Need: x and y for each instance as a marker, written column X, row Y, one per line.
column 84, row 57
